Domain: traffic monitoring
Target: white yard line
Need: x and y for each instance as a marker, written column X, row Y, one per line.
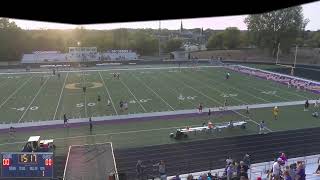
column 105, row 86
column 114, row 69
column 214, row 100
column 172, row 89
column 152, row 114
column 275, row 87
column 238, row 89
column 33, row 99
column 217, row 90
column 154, row 92
column 14, row 92
column 221, row 104
column 249, row 119
column 271, row 94
column 133, row 95
column 115, row 133
column 55, row 113
column 5, row 83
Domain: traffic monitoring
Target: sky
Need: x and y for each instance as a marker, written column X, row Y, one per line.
column 310, row 11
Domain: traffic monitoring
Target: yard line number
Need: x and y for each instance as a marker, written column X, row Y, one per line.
column 228, row 95
column 33, row 108
column 181, row 97
column 269, row 92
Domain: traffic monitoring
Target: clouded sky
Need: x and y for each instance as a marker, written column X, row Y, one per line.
column 310, row 11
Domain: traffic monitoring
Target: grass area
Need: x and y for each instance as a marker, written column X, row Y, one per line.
column 27, row 98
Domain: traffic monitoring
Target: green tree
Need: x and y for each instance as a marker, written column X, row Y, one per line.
column 172, row 45
column 283, row 26
column 231, row 37
column 12, row 43
column 142, row 42
column 215, row 41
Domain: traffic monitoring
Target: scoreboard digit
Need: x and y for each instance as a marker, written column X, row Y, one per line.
column 26, row 164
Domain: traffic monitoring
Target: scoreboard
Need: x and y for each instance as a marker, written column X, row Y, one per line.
column 26, row 165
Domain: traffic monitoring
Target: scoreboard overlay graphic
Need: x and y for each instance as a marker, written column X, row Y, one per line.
column 26, row 164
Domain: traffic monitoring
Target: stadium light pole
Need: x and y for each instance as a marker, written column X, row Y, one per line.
column 295, row 56
column 278, row 54
column 159, row 36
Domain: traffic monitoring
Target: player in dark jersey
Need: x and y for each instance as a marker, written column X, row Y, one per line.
column 90, row 124
column 99, row 98
column 84, row 89
column 200, row 108
column 306, row 105
column 58, row 75
column 118, row 76
column 65, row 120
column 121, row 105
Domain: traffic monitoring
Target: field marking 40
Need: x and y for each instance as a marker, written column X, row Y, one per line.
column 141, row 101
column 33, row 108
column 181, row 97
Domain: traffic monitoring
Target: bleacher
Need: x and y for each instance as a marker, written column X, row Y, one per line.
column 119, row 55
column 43, row 57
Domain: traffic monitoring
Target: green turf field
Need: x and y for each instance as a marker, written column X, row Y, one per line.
column 24, row 97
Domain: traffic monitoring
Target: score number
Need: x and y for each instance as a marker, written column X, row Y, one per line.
column 6, row 162
column 28, row 158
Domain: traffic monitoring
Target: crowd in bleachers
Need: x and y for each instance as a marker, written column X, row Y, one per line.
column 55, row 56
column 239, row 170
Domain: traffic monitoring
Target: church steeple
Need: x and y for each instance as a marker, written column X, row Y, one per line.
column 181, row 27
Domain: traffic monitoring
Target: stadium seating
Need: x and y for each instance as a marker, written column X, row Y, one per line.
column 119, row 55
column 43, row 57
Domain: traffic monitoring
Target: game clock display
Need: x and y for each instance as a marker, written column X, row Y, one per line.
column 22, row 164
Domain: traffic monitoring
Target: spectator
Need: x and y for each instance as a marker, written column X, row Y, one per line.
column 292, row 170
column 301, row 174
column 204, row 177
column 247, row 160
column 243, row 169
column 318, row 168
column 177, row 177
column 140, row 169
column 276, row 169
column 229, row 160
column 190, row 177
column 286, row 175
column 230, row 171
column 162, row 169
column 284, row 158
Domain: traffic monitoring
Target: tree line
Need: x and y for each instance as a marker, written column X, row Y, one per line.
column 284, row 28
column 265, row 31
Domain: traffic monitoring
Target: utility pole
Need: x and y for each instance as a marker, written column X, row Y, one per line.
column 159, row 38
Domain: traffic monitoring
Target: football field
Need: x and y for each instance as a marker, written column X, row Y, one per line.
column 43, row 96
